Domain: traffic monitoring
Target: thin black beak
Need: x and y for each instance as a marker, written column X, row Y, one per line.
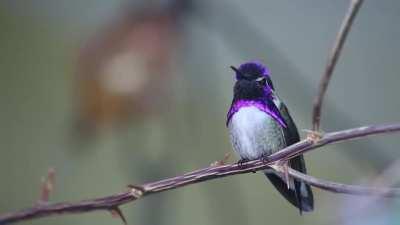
column 235, row 69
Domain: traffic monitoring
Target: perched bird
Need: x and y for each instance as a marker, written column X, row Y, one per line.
column 259, row 124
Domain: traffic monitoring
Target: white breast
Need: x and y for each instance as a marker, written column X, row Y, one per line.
column 254, row 133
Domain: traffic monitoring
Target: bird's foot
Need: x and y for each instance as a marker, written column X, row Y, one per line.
column 242, row 161
column 265, row 158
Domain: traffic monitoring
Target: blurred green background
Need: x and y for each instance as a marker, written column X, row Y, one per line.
column 111, row 93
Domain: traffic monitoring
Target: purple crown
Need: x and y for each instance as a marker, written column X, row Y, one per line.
column 252, row 69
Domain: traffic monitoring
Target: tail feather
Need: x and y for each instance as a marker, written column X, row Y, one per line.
column 300, row 195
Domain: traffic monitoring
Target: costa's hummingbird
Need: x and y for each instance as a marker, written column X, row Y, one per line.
column 259, row 124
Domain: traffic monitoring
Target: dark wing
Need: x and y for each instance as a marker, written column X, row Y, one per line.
column 302, row 196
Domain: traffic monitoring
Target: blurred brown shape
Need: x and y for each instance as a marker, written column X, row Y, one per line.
column 124, row 71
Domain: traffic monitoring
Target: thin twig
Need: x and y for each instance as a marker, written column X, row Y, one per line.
column 333, row 58
column 344, row 188
column 112, row 202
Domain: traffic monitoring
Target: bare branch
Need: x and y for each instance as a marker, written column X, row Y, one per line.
column 112, row 202
column 333, row 58
column 345, row 189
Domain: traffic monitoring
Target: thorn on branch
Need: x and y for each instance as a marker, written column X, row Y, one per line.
column 222, row 161
column 282, row 167
column 286, row 173
column 278, row 168
column 47, row 186
column 117, row 213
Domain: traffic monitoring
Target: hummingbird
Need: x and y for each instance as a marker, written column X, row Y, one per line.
column 259, row 124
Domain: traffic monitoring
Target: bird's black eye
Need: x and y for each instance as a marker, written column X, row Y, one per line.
column 262, row 81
